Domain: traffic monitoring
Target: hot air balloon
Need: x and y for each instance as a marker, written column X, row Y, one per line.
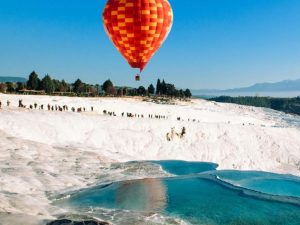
column 138, row 28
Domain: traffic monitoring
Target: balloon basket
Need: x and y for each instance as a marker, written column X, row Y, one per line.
column 137, row 77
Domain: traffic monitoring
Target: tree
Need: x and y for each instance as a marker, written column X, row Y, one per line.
column 33, row 81
column 10, row 87
column 47, row 84
column 64, row 87
column 125, row 91
column 3, row 87
column 163, row 88
column 181, row 93
column 141, row 91
column 170, row 90
column 107, row 86
column 87, row 88
column 187, row 93
column 177, row 93
column 151, row 89
column 93, row 90
column 132, row 92
column 20, row 86
column 111, row 90
column 78, row 86
column 158, row 87
column 120, row 92
column 97, row 86
column 56, row 85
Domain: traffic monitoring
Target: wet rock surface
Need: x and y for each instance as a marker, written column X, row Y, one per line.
column 70, row 222
column 76, row 220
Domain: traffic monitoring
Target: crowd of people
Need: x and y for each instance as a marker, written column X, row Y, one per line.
column 65, row 108
column 135, row 115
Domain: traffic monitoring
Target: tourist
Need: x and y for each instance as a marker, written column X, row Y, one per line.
column 183, row 132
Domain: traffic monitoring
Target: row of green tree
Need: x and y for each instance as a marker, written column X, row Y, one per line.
column 287, row 105
column 162, row 89
column 79, row 88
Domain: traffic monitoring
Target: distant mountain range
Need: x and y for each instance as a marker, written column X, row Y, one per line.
column 13, row 79
column 282, row 86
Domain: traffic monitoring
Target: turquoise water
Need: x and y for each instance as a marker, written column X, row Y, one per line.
column 270, row 183
column 200, row 198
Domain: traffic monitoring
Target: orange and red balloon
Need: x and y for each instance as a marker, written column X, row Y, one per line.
column 138, row 28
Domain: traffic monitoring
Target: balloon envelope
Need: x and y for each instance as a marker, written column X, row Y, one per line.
column 138, row 27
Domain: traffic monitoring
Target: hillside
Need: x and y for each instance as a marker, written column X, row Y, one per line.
column 286, row 85
column 12, row 79
column 44, row 152
column 287, row 105
column 282, row 86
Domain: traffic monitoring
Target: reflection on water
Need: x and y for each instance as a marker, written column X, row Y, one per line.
column 149, row 195
column 197, row 199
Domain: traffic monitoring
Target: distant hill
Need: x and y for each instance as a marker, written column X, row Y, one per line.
column 286, row 85
column 13, row 79
column 282, row 86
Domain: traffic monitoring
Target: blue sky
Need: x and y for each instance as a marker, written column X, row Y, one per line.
column 213, row 43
